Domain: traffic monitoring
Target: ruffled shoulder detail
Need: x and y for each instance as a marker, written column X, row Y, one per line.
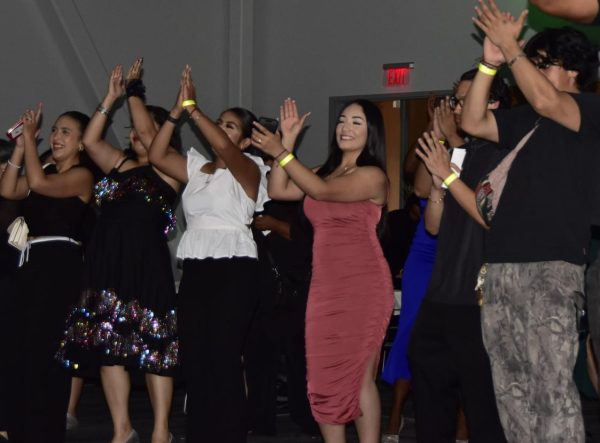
column 263, row 195
column 195, row 161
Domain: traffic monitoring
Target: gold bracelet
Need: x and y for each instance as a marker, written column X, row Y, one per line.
column 450, row 179
column 285, row 160
column 190, row 102
column 440, row 200
column 487, row 70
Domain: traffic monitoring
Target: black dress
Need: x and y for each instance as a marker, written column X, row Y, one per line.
column 9, row 258
column 47, row 285
column 127, row 315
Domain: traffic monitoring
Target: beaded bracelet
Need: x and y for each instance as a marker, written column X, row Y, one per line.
column 440, row 200
column 192, row 112
column 280, row 154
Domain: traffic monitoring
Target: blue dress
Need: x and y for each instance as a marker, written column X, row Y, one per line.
column 415, row 279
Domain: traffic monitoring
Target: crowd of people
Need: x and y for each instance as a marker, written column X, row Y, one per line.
column 491, row 287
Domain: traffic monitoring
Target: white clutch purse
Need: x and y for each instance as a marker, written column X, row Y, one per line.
column 17, row 233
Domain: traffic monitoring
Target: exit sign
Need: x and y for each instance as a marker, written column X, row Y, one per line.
column 397, row 74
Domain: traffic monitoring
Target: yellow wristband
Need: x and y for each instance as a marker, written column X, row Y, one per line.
column 188, row 103
column 487, row 70
column 285, row 160
column 450, row 179
column 441, row 141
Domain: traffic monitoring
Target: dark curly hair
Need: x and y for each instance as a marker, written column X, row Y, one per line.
column 571, row 49
column 499, row 90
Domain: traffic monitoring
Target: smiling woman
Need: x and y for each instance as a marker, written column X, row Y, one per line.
column 217, row 294
column 351, row 295
column 126, row 315
column 54, row 204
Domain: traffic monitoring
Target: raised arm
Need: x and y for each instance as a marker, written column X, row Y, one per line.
column 364, row 183
column 437, row 160
column 12, row 185
column 580, row 11
column 75, row 182
column 244, row 170
column 444, row 124
column 105, row 155
column 280, row 186
column 476, row 118
column 166, row 159
column 143, row 122
column 502, row 33
column 140, row 116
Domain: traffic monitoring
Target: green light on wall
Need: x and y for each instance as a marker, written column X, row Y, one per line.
column 538, row 21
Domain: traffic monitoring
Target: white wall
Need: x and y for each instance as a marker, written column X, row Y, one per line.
column 243, row 52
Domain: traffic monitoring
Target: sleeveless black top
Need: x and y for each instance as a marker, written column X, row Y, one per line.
column 51, row 216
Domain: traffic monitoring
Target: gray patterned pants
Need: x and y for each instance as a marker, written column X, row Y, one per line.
column 529, row 330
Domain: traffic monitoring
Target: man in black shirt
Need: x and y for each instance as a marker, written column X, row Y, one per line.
column 587, row 12
column 536, row 247
column 446, row 352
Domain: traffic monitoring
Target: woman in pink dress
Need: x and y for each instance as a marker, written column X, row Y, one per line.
column 351, row 294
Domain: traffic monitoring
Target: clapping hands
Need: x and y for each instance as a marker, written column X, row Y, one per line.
column 115, row 83
column 435, row 156
column 501, row 29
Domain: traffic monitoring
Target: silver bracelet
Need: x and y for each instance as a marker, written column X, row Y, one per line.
column 102, row 110
column 515, row 58
column 13, row 165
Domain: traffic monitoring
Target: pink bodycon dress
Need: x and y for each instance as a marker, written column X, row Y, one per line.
column 349, row 305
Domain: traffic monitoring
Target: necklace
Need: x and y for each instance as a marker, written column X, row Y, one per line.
column 345, row 170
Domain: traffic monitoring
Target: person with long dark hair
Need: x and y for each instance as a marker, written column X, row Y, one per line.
column 217, row 294
column 351, row 294
column 54, row 203
column 126, row 316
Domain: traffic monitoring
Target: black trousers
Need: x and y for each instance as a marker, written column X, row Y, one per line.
column 7, row 309
column 450, row 367
column 217, row 298
column 47, row 286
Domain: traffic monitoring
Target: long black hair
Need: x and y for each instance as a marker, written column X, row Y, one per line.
column 84, row 159
column 373, row 154
column 247, row 118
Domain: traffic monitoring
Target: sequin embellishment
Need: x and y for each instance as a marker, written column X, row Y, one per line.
column 124, row 330
column 109, row 189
